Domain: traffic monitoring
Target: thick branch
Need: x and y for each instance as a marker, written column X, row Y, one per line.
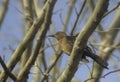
column 28, row 15
column 81, row 40
column 41, row 37
column 27, row 39
column 106, row 50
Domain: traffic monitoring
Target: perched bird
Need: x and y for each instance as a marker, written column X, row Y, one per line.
column 66, row 44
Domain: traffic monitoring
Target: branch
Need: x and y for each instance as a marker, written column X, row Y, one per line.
column 7, row 70
column 37, row 7
column 50, row 67
column 110, row 73
column 113, row 9
column 3, row 10
column 27, row 39
column 81, row 40
column 41, row 36
column 28, row 15
column 103, row 75
column 108, row 40
column 78, row 16
column 69, row 12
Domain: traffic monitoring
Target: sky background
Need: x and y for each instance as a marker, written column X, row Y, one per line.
column 11, row 33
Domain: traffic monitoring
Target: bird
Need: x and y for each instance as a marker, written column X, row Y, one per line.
column 66, row 44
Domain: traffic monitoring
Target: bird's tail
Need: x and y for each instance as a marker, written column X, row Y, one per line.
column 100, row 61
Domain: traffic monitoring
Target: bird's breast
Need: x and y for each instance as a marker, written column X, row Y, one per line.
column 65, row 47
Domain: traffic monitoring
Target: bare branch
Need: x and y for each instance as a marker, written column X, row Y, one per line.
column 41, row 36
column 78, row 16
column 69, row 12
column 3, row 10
column 81, row 41
column 7, row 70
column 27, row 39
column 107, row 13
column 51, row 66
column 110, row 73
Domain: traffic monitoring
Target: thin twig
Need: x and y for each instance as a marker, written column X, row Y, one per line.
column 89, row 70
column 113, row 9
column 110, row 73
column 78, row 16
column 52, row 44
column 50, row 67
column 117, row 28
column 61, row 19
column 103, row 75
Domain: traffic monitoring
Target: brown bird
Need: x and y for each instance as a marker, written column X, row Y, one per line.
column 66, row 44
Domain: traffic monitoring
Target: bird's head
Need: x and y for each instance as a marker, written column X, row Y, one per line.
column 58, row 35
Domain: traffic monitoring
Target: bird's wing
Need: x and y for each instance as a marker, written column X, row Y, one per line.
column 71, row 39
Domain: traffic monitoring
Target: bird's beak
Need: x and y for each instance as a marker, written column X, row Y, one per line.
column 51, row 35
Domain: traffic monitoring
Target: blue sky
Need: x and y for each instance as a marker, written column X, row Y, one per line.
column 13, row 25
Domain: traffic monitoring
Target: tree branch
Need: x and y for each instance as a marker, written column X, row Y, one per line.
column 41, row 36
column 81, row 40
column 27, row 39
column 3, row 10
column 7, row 70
